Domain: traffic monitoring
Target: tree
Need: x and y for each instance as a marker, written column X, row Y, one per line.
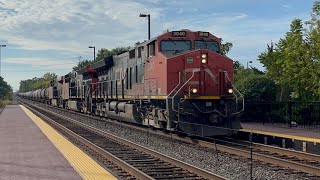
column 296, row 62
column 102, row 53
column 313, row 41
column 5, row 90
column 37, row 83
column 236, row 66
column 226, row 47
column 254, row 84
column 137, row 43
column 119, row 50
column 82, row 64
column 293, row 63
column 49, row 76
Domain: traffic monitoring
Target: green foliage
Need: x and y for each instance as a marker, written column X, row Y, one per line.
column 82, row 64
column 294, row 62
column 102, row 53
column 226, row 47
column 3, row 103
column 5, row 90
column 254, row 84
column 37, row 83
column 119, row 50
column 236, row 66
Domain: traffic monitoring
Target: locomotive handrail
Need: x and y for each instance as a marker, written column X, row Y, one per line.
column 241, row 95
column 193, row 72
column 176, row 85
column 169, row 95
column 98, row 83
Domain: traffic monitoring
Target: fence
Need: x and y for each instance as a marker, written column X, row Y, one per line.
column 290, row 113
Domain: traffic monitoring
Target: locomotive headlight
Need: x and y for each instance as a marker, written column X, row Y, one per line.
column 204, row 61
column 194, row 90
column 230, row 90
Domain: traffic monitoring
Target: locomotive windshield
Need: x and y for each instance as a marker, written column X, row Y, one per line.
column 171, row 45
column 211, row 45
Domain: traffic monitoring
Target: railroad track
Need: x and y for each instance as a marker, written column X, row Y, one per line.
column 284, row 158
column 134, row 161
column 290, row 159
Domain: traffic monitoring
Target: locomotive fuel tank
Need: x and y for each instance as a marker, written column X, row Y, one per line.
column 123, row 111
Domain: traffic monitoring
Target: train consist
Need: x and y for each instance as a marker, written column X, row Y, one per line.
column 177, row 81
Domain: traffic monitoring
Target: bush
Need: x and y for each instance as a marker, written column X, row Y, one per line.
column 3, row 103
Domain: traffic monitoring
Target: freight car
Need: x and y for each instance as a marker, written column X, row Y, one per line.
column 177, row 81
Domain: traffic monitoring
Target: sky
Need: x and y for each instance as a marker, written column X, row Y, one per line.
column 53, row 35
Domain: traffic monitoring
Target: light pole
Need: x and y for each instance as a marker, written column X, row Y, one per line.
column 1, row 46
column 94, row 52
column 147, row 15
column 248, row 64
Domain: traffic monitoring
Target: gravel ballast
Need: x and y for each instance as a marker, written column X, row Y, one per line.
column 226, row 165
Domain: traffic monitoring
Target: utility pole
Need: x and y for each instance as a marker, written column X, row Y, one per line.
column 1, row 46
column 147, row 15
column 94, row 52
column 248, row 64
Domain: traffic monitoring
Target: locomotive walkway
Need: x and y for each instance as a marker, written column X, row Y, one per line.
column 31, row 149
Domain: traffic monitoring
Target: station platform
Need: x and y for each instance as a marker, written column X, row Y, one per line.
column 292, row 133
column 299, row 139
column 31, row 149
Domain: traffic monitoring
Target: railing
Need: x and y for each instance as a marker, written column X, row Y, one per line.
column 238, row 97
column 193, row 72
column 289, row 113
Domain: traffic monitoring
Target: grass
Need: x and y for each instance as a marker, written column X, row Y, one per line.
column 3, row 103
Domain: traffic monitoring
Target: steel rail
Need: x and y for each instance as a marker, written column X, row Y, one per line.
column 287, row 152
column 203, row 173
column 273, row 160
column 314, row 170
column 236, row 151
column 176, row 162
column 125, row 166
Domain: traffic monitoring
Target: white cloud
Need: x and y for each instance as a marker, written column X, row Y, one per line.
column 179, row 11
column 229, row 19
column 72, row 24
column 286, row 6
column 33, row 67
column 153, row 1
column 42, row 63
column 68, row 27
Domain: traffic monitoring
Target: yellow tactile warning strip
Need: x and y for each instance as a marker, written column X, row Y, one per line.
column 300, row 138
column 81, row 162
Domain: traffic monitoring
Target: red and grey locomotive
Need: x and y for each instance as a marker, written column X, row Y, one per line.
column 179, row 80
